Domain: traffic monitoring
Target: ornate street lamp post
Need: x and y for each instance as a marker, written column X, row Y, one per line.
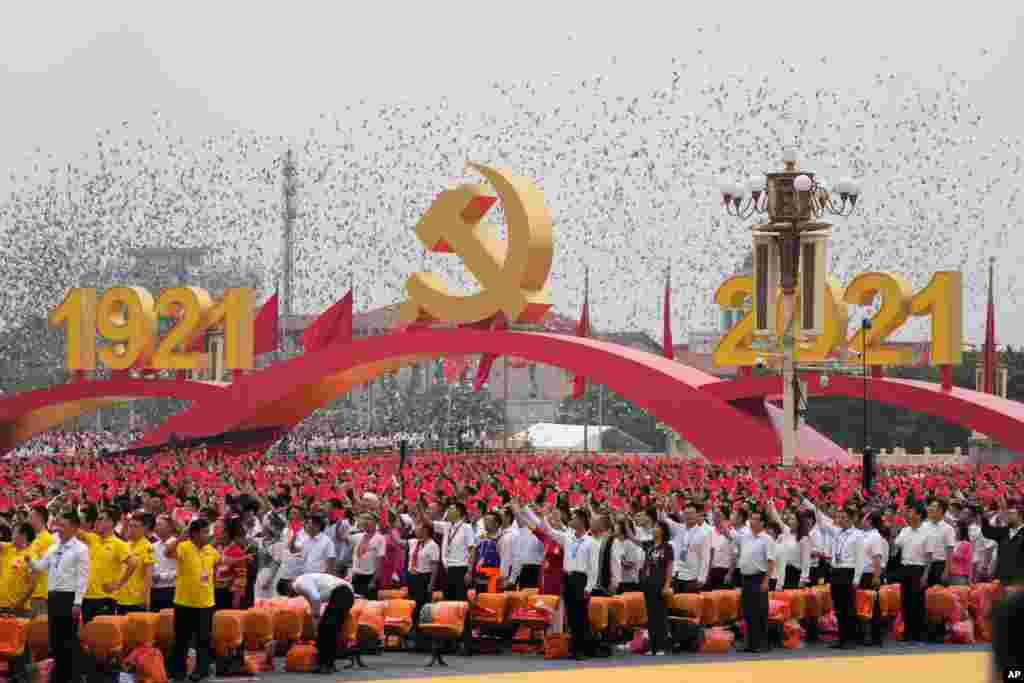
column 791, row 261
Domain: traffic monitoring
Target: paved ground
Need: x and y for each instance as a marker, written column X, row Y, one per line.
column 395, row 665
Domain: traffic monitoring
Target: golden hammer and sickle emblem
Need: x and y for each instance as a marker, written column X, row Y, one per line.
column 512, row 275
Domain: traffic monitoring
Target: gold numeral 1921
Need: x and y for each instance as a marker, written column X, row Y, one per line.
column 127, row 318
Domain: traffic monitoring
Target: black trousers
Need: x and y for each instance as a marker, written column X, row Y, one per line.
column 529, row 576
column 63, row 632
column 129, row 609
column 935, row 573
column 629, row 587
column 419, row 592
column 912, row 603
column 843, row 601
column 97, row 607
column 363, row 585
column 191, row 624
column 754, row 603
column 455, row 584
column 792, row 578
column 338, row 606
column 821, row 573
column 877, row 633
column 223, row 598
column 574, row 593
column 161, row 598
column 657, row 616
column 680, row 586
column 716, row 578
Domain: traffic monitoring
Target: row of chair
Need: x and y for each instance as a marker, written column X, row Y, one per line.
column 370, row 624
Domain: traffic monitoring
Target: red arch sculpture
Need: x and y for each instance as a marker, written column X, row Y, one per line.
column 669, row 391
column 997, row 417
column 25, row 415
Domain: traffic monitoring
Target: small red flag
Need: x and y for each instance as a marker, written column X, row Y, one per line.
column 334, row 326
column 265, row 327
column 579, row 385
column 483, row 371
column 667, row 315
column 989, row 368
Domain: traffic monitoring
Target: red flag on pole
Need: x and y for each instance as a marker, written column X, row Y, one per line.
column 667, row 314
column 334, row 326
column 990, row 335
column 579, row 385
column 265, row 327
column 483, row 371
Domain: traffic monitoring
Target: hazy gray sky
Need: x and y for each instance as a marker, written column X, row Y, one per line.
column 68, row 69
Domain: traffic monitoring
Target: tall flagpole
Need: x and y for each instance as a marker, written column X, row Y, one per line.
column 289, row 188
column 505, row 407
column 586, row 380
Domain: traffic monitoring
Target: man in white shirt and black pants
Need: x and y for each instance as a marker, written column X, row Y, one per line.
column 580, row 579
column 914, row 542
column 318, row 589
column 943, row 540
column 457, row 543
column 68, row 565
column 756, row 564
column 846, row 570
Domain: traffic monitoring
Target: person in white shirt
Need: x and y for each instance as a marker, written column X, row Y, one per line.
column 792, row 548
column 165, row 569
column 507, row 540
column 340, row 534
column 756, row 564
column 821, row 554
column 457, row 542
column 580, row 576
column 480, row 527
column 290, row 563
column 943, row 540
column 984, row 549
column 423, row 564
column 370, row 549
column 846, row 570
column 528, row 557
column 643, row 534
column 318, row 552
column 627, row 560
column 691, row 549
column 874, row 554
column 317, row 589
column 67, row 564
column 915, row 555
column 601, row 532
column 724, row 554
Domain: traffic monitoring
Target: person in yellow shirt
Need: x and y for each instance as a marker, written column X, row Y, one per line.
column 39, row 518
column 193, row 599
column 108, row 555
column 16, row 584
column 132, row 590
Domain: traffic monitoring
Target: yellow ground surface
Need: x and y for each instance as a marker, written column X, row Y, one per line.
column 966, row 667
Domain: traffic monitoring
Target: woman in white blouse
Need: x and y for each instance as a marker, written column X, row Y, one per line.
column 627, row 560
column 792, row 548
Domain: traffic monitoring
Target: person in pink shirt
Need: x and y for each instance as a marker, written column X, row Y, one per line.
column 961, row 565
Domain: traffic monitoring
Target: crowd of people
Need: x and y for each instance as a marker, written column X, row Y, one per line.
column 71, row 442
column 300, row 440
column 200, row 530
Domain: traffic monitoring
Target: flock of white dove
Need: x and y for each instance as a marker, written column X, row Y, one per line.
column 632, row 182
